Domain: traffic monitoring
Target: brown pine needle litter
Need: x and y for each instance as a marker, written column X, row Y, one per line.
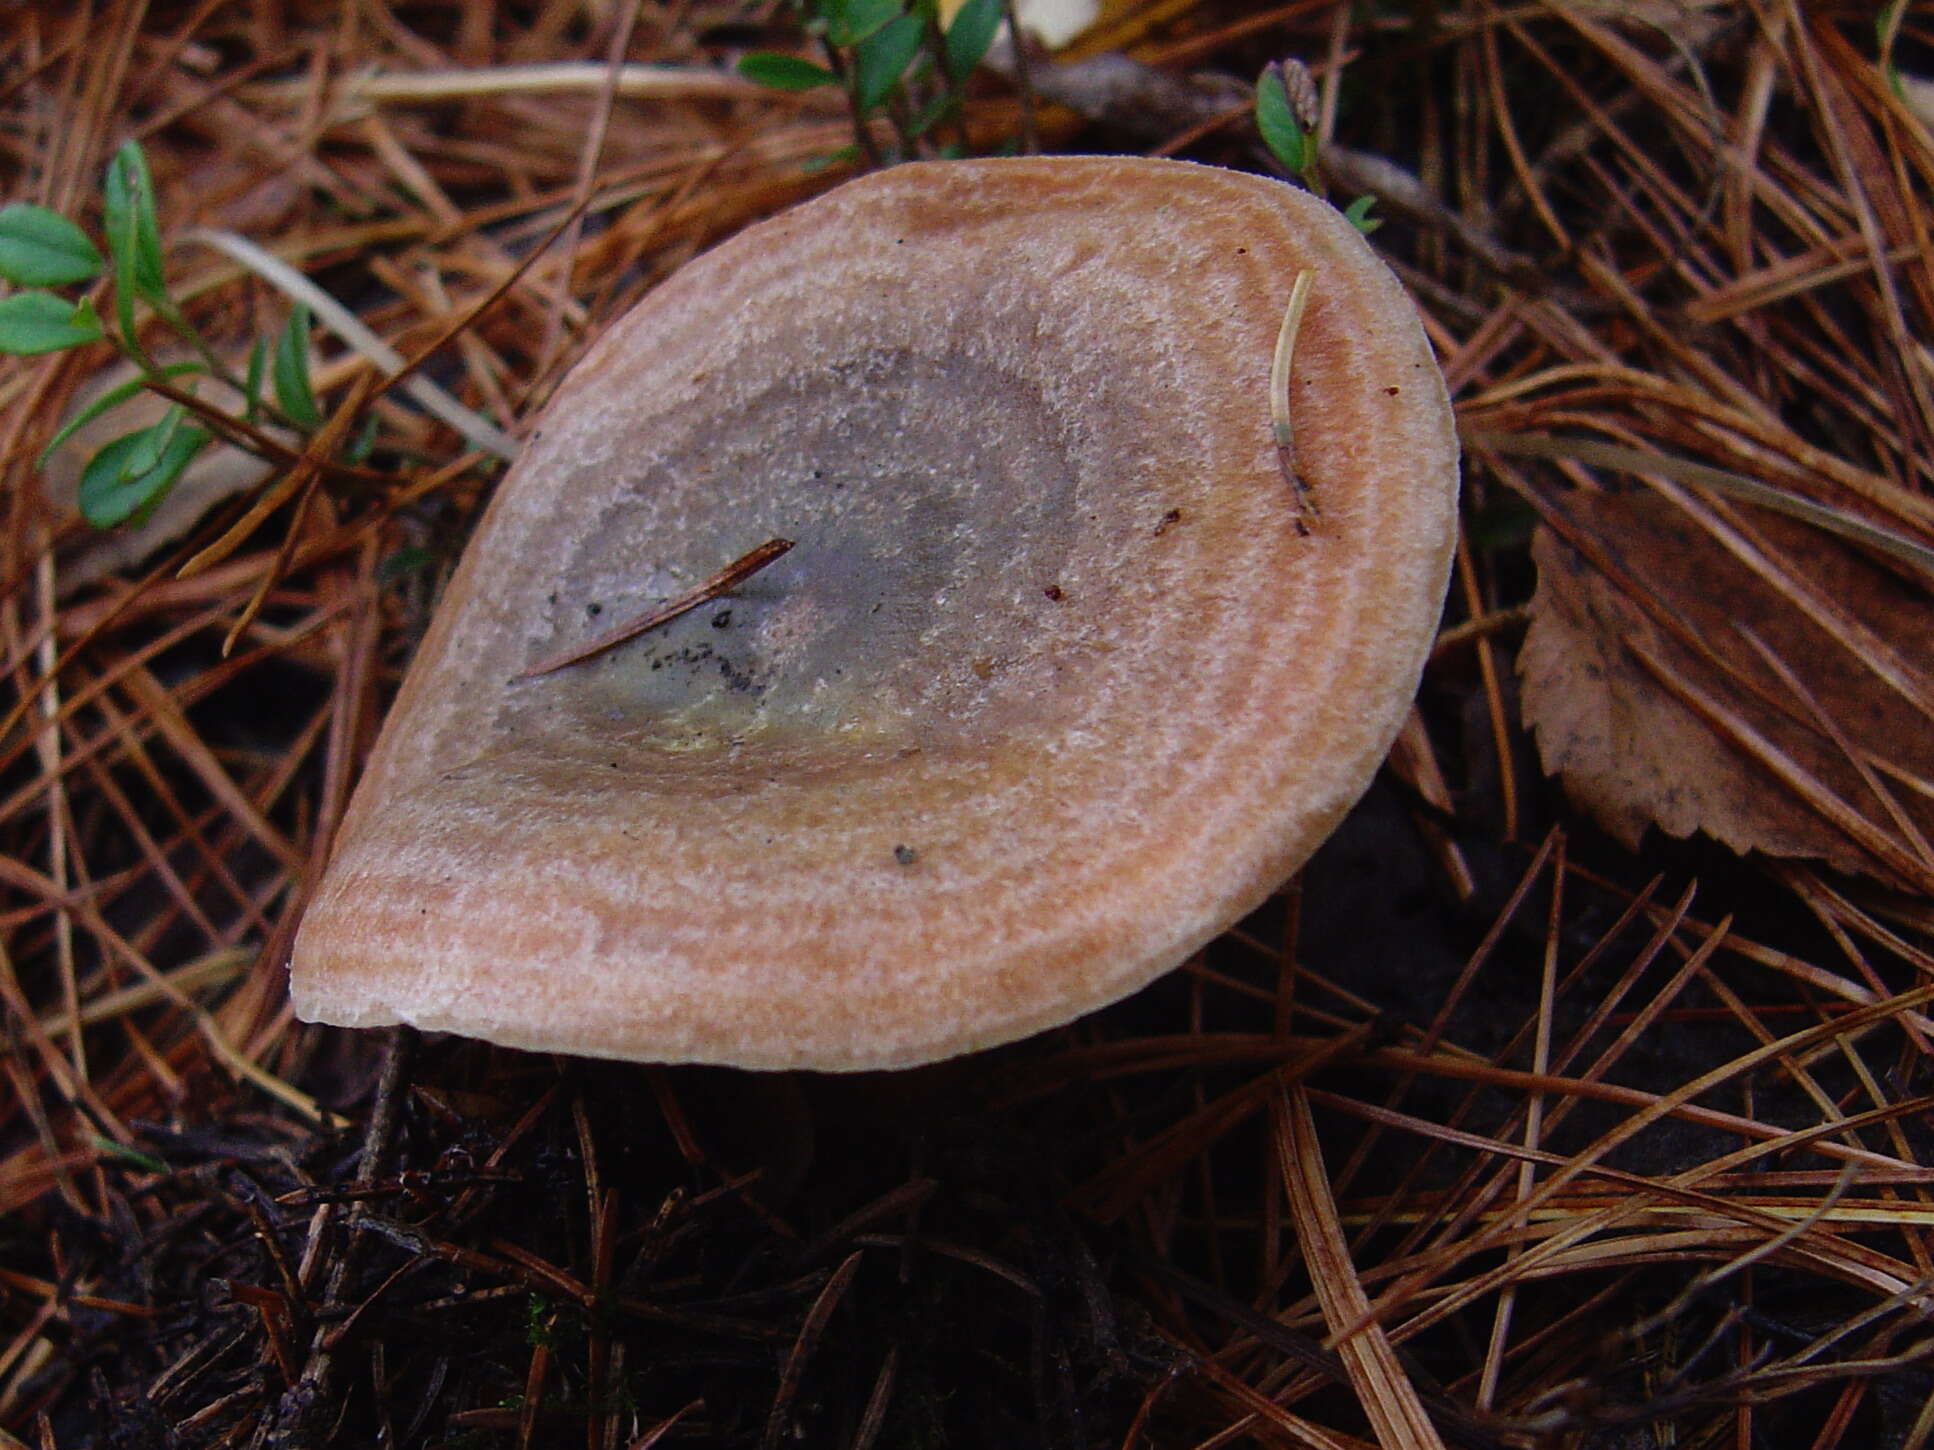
column 1494, row 1129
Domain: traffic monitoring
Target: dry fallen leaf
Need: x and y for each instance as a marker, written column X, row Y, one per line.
column 1734, row 673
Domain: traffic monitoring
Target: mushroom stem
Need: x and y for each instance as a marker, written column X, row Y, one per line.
column 737, row 572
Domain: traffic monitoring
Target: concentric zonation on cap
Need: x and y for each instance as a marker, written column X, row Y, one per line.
column 1050, row 689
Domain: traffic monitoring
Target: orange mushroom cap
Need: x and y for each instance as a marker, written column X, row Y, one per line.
column 1058, row 680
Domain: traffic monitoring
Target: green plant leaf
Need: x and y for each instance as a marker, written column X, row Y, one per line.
column 879, row 63
column 851, row 21
column 1288, row 142
column 121, row 249
column 844, row 156
column 155, row 442
column 1358, row 215
column 42, row 248
column 108, row 1148
column 113, row 398
column 124, row 251
column 410, row 559
column 363, row 441
column 289, row 372
column 784, row 72
column 113, row 490
column 133, row 232
column 970, row 36
column 258, row 366
column 933, row 113
column 37, row 322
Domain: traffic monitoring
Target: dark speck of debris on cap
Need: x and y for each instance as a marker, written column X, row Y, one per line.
column 905, row 855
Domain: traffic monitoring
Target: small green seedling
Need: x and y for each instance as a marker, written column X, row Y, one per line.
column 1288, row 122
column 1286, row 115
column 1358, row 214
column 41, row 250
column 893, row 58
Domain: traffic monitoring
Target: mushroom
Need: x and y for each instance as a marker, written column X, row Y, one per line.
column 1061, row 676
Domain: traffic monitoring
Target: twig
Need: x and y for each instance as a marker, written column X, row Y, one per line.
column 1023, row 81
column 803, row 1346
column 1279, row 422
column 737, row 572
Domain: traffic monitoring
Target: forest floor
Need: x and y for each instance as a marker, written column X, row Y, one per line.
column 1574, row 1095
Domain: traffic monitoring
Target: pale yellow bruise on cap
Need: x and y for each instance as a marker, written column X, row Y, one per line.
column 1049, row 691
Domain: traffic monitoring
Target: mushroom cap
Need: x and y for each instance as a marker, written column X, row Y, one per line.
column 1051, row 690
